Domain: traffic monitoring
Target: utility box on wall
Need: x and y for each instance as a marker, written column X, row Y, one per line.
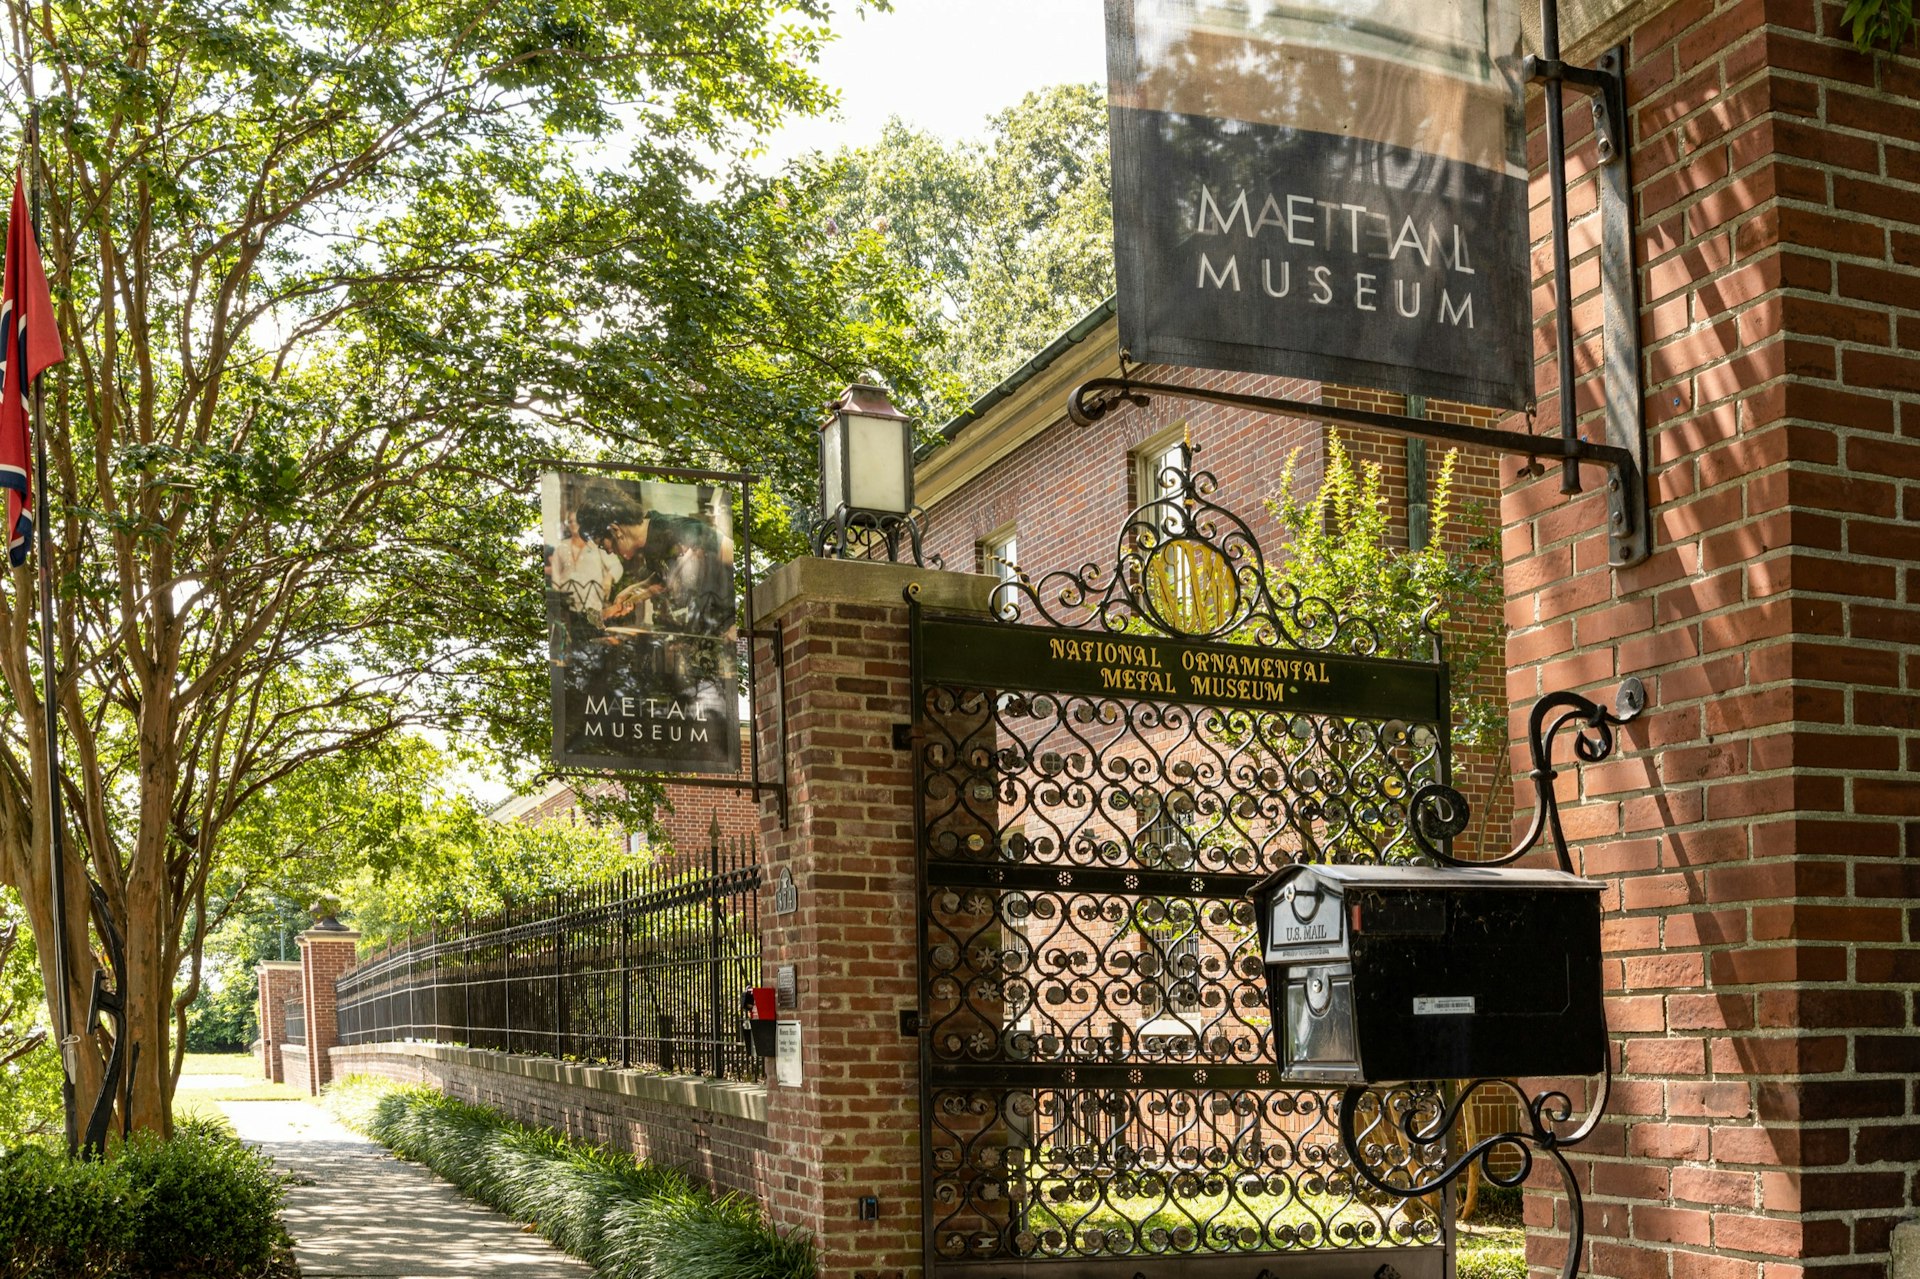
column 1382, row 974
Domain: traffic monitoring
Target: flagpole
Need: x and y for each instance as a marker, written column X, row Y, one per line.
column 56, row 816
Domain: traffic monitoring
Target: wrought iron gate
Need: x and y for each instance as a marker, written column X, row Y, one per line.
column 1095, row 797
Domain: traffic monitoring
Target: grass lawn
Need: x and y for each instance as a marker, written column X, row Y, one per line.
column 209, row 1077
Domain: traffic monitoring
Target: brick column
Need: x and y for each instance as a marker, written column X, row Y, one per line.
column 1759, row 828
column 326, row 951
column 279, row 982
column 851, row 1128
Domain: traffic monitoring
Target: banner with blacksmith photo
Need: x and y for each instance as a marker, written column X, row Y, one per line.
column 1324, row 189
column 643, row 624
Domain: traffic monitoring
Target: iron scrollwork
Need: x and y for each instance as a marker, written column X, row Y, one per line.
column 1188, row 568
column 850, row 534
column 1439, row 812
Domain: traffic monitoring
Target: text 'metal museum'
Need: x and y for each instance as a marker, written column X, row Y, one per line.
column 642, row 624
column 1326, row 189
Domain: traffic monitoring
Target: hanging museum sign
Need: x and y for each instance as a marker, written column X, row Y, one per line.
column 642, row 624
column 1326, row 189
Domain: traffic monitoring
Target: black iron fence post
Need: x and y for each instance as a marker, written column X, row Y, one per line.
column 559, row 976
column 626, row 968
column 716, row 1016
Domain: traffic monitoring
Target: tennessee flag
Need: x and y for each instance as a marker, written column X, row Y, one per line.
column 29, row 344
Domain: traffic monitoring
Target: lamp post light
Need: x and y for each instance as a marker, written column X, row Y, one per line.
column 866, row 479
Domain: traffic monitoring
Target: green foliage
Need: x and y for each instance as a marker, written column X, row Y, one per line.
column 202, row 1205
column 225, row 1018
column 1878, row 24
column 62, row 1218
column 334, row 277
column 461, row 863
column 1006, row 241
column 209, row 1205
column 1501, row 1255
column 1340, row 550
column 29, row 1070
column 630, row 1219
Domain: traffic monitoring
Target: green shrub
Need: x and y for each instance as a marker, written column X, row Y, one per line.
column 210, row 1205
column 202, row 1205
column 62, row 1219
column 629, row 1218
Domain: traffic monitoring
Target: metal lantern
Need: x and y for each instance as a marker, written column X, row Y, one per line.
column 866, row 478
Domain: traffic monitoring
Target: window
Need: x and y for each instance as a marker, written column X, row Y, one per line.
column 1000, row 554
column 1152, row 460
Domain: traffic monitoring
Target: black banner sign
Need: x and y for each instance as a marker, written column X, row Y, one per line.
column 642, row 621
column 995, row 655
column 1326, row 189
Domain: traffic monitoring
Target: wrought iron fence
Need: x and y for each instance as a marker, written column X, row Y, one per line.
column 293, row 1013
column 645, row 969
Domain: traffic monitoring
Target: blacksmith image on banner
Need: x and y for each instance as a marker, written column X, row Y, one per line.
column 642, row 622
column 1325, row 189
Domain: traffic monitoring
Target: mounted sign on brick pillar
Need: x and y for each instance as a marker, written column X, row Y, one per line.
column 326, row 951
column 842, row 1123
column 279, row 982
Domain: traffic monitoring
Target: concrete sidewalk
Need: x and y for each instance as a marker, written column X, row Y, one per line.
column 367, row 1215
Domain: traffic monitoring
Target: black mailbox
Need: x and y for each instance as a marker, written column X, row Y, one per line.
column 1381, row 974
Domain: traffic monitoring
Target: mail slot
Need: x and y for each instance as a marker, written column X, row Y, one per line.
column 1381, row 974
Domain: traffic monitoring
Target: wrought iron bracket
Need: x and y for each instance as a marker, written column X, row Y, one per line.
column 1439, row 812
column 1545, row 1113
column 1626, row 488
column 854, row 534
column 1629, row 526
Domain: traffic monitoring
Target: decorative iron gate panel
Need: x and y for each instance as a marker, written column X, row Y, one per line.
column 1095, row 799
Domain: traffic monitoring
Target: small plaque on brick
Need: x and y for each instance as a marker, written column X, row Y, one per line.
column 786, row 987
column 786, row 1057
column 786, row 896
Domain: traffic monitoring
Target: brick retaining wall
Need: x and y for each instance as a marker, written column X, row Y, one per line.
column 714, row 1129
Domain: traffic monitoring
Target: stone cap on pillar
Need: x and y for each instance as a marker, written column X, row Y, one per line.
column 868, row 582
column 266, row 964
column 321, row 932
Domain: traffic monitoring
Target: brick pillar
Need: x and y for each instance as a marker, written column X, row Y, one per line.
column 1759, row 828
column 851, row 1128
column 279, row 982
column 326, row 951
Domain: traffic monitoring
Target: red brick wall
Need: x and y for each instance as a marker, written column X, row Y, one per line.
column 1070, row 488
column 323, row 957
column 851, row 1129
column 725, row 1150
column 1759, row 828
column 277, row 985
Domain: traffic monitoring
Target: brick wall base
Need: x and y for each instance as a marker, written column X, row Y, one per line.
column 293, row 1064
column 715, row 1130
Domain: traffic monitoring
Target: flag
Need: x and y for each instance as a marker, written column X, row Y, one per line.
column 29, row 344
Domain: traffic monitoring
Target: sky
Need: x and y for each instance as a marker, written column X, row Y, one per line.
column 946, row 65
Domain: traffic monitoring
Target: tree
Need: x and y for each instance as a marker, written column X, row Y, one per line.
column 1340, row 550
column 1008, row 240
column 331, row 279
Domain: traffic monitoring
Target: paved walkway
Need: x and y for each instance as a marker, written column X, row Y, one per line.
column 367, row 1215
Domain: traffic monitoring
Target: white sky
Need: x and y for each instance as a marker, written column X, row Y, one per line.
column 945, row 65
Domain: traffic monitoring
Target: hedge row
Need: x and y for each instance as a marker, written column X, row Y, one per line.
column 202, row 1204
column 630, row 1219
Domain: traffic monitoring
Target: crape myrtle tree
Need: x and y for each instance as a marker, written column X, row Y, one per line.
column 331, row 276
